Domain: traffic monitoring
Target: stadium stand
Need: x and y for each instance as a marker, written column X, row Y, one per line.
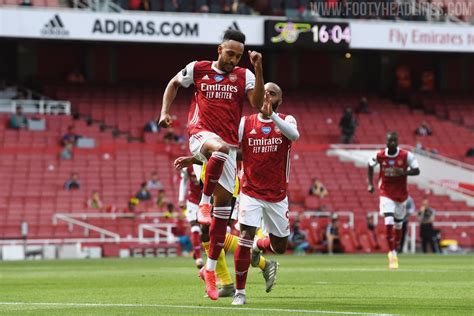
column 34, row 192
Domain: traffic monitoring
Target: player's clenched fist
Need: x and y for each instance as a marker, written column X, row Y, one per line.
column 165, row 120
column 255, row 58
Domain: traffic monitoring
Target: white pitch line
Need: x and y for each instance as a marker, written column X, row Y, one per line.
column 192, row 307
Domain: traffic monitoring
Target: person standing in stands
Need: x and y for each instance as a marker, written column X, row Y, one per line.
column 429, row 235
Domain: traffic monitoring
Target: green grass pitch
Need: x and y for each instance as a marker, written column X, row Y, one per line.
column 313, row 284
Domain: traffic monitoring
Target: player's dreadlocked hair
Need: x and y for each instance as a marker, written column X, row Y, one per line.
column 234, row 35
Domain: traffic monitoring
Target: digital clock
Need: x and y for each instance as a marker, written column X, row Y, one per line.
column 307, row 34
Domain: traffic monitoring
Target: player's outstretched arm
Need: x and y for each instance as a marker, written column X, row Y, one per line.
column 168, row 98
column 256, row 94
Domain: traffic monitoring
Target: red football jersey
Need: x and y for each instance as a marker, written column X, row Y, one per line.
column 194, row 189
column 392, row 186
column 265, row 159
column 218, row 99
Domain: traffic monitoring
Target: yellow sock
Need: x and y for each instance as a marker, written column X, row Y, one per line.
column 261, row 262
column 230, row 243
column 222, row 271
column 221, row 267
column 205, row 245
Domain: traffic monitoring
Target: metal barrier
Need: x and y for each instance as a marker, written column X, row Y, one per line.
column 36, row 106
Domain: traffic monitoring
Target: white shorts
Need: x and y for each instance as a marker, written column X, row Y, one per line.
column 191, row 211
column 390, row 206
column 253, row 211
column 227, row 179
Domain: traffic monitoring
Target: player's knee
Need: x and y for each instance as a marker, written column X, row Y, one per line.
column 247, row 233
column 223, row 148
column 389, row 220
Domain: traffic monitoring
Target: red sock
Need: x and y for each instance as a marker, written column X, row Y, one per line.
column 398, row 237
column 390, row 237
column 214, row 168
column 196, row 241
column 264, row 244
column 217, row 233
column 242, row 262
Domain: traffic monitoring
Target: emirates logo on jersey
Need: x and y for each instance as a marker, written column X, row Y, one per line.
column 264, row 145
column 233, row 77
column 219, row 91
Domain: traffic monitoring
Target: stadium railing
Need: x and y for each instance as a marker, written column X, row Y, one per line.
column 162, row 232
column 36, row 106
column 412, row 232
column 349, row 215
column 86, row 226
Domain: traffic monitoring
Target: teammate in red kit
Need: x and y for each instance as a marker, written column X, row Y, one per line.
column 189, row 197
column 395, row 166
column 220, row 90
column 266, row 140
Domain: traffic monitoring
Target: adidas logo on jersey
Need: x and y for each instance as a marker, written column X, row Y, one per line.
column 206, row 77
column 253, row 132
column 55, row 27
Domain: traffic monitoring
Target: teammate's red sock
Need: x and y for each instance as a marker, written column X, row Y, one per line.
column 217, row 233
column 214, row 168
column 390, row 237
column 196, row 242
column 398, row 237
column 264, row 244
column 242, row 262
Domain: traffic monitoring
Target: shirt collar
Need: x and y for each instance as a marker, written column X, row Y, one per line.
column 392, row 156
column 214, row 67
column 261, row 119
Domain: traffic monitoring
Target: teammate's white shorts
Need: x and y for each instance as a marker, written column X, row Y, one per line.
column 390, row 206
column 227, row 179
column 253, row 211
column 191, row 211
